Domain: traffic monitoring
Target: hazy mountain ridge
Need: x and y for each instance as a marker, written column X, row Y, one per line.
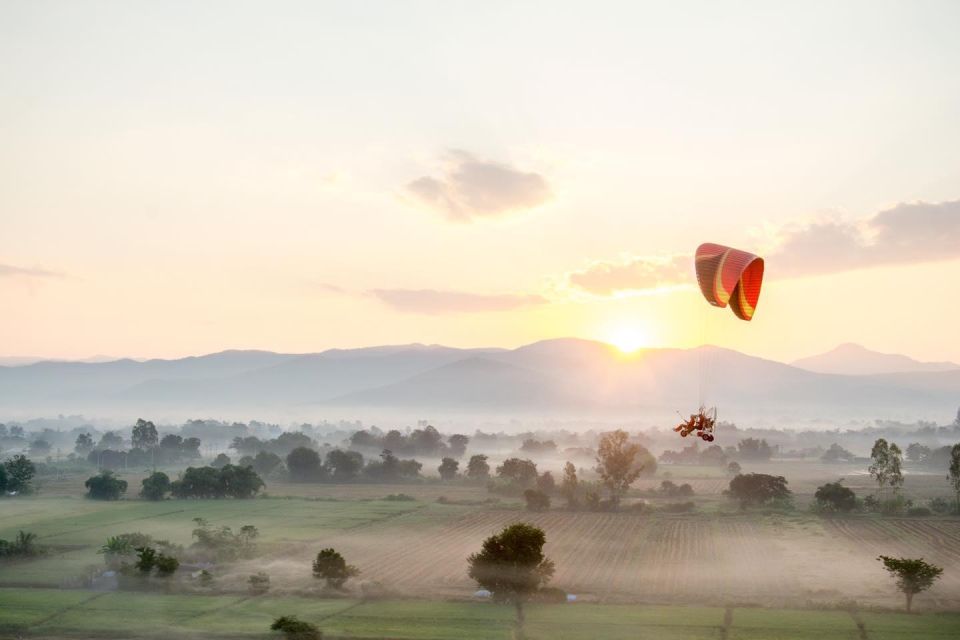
column 854, row 359
column 551, row 376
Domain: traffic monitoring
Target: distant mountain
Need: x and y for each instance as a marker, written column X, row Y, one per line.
column 853, row 359
column 548, row 378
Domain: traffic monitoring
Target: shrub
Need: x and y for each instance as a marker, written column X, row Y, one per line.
column 919, row 512
column 259, row 583
column 940, row 505
column 400, row 497
column 105, row 486
column 536, row 500
column 295, row 629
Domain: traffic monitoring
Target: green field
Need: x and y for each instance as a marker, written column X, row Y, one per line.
column 52, row 613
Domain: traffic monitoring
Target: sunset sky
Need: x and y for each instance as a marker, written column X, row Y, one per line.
column 180, row 178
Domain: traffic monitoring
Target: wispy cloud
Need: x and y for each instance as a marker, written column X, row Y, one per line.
column 433, row 302
column 11, row 271
column 607, row 278
column 907, row 233
column 471, row 189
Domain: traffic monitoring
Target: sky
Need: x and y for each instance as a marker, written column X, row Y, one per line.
column 180, row 178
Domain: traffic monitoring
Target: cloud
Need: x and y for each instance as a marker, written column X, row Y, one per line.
column 471, row 189
column 631, row 274
column 433, row 302
column 907, row 233
column 10, row 271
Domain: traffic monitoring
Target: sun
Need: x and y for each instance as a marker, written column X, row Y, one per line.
column 628, row 338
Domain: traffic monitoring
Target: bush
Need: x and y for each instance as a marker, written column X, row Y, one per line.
column 400, row 497
column 536, row 500
column 940, row 506
column 919, row 512
column 155, row 486
column 375, row 590
column 295, row 629
column 895, row 506
column 105, row 486
column 259, row 583
column 833, row 496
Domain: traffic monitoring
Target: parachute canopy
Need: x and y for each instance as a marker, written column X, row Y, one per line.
column 730, row 276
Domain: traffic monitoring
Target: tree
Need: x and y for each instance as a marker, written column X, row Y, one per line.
column 520, row 473
column 570, row 486
column 20, row 472
column 155, row 486
column 734, row 468
column 84, row 444
column 448, row 469
column 511, row 565
column 303, row 464
column 110, row 440
column 886, row 465
column 953, row 473
column 39, row 447
column 546, row 483
column 618, row 464
column 3, row 479
column 753, row 449
column 895, row 468
column 220, row 461
column 265, row 462
column 536, row 500
column 344, row 465
column 144, row 435
column 917, row 453
column 757, row 489
column 836, row 453
column 333, row 568
column 478, row 468
column 833, row 496
column 207, row 482
column 295, row 629
column 913, row 575
column 458, row 445
column 105, row 486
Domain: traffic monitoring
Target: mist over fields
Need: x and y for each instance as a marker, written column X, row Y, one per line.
column 564, row 377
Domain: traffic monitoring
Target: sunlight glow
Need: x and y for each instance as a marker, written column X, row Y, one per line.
column 628, row 338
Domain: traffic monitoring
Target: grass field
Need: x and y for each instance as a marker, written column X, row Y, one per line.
column 53, row 613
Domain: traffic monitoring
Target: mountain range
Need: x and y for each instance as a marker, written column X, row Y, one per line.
column 550, row 378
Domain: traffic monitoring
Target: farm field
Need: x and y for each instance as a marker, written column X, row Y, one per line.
column 40, row 613
column 418, row 548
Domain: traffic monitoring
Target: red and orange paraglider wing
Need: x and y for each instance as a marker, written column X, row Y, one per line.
column 730, row 276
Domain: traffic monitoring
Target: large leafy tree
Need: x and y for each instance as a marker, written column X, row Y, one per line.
column 303, row 464
column 448, row 469
column 144, row 435
column 84, row 444
column 20, row 472
column 458, row 444
column 333, row 568
column 155, row 486
column 886, row 465
column 478, row 468
column 344, row 465
column 521, row 473
column 913, row 575
column 512, row 566
column 757, row 489
column 619, row 463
